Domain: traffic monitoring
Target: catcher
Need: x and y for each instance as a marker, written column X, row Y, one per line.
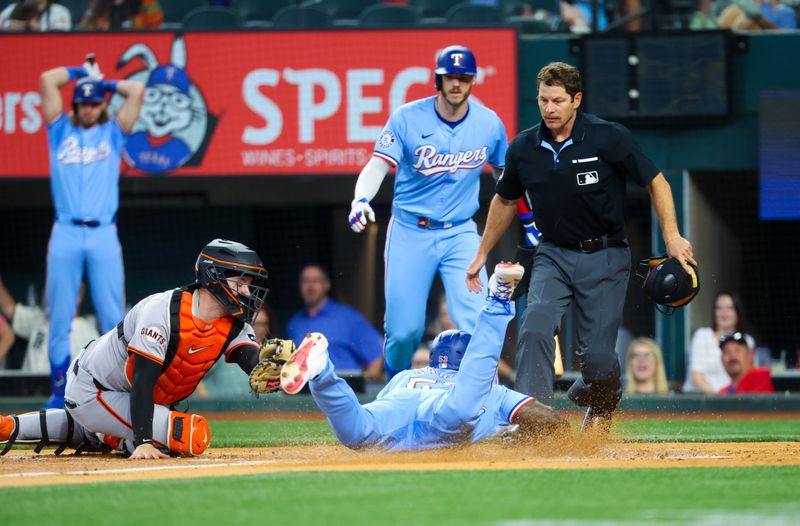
column 121, row 388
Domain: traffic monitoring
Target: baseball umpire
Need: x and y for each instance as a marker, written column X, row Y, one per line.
column 85, row 149
column 575, row 166
column 121, row 387
column 439, row 145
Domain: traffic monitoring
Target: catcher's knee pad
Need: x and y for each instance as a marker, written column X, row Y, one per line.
column 188, row 435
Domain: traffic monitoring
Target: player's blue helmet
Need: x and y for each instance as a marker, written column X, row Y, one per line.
column 454, row 60
column 448, row 349
column 88, row 90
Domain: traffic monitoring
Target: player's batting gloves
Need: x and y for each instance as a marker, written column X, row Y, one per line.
column 92, row 70
column 531, row 234
column 110, row 86
column 360, row 214
column 77, row 72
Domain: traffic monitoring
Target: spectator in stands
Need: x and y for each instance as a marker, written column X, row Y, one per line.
column 703, row 17
column 265, row 324
column 35, row 15
column 31, row 323
column 6, row 339
column 442, row 321
column 644, row 368
column 754, row 15
column 705, row 372
column 104, row 15
column 422, row 356
column 574, row 17
column 737, row 358
column 353, row 343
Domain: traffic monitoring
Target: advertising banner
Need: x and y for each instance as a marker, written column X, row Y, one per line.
column 248, row 103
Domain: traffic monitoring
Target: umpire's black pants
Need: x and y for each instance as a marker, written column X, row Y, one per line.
column 597, row 284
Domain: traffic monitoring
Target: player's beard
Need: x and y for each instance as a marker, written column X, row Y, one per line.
column 458, row 99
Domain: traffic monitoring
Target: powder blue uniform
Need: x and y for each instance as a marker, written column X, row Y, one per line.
column 84, row 168
column 435, row 196
column 427, row 408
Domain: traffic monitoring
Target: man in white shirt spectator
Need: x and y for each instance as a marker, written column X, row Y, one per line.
column 35, row 15
column 31, row 323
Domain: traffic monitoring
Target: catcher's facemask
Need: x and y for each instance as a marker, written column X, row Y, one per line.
column 666, row 283
column 222, row 260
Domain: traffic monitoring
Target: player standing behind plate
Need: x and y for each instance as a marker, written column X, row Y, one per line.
column 85, row 149
column 439, row 145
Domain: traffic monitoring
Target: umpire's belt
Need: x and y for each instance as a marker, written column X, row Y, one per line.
column 88, row 222
column 592, row 245
column 423, row 222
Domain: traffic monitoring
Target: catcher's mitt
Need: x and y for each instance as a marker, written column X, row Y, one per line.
column 266, row 375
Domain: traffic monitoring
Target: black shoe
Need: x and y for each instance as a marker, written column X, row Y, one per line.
column 595, row 421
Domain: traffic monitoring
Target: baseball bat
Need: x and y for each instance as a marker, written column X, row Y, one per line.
column 558, row 363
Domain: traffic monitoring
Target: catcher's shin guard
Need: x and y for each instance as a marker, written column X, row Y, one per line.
column 10, row 431
column 189, row 435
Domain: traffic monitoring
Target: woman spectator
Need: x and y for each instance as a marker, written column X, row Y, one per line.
column 644, row 367
column 104, row 15
column 705, row 372
column 35, row 15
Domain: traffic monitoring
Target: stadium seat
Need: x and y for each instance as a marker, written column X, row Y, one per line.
column 176, row 10
column 432, row 8
column 299, row 17
column 344, row 9
column 467, row 13
column 212, row 17
column 387, row 16
column 260, row 10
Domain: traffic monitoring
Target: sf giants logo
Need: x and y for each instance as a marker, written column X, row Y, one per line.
column 457, row 59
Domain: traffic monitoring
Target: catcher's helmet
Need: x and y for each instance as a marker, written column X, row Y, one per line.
column 448, row 349
column 454, row 60
column 221, row 260
column 88, row 90
column 666, row 282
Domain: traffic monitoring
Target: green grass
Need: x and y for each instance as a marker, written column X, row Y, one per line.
column 716, row 430
column 763, row 496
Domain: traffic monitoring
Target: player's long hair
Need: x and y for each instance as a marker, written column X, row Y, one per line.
column 104, row 117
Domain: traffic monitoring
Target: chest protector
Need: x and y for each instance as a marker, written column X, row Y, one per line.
column 191, row 352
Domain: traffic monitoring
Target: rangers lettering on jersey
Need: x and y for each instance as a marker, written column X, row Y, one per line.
column 431, row 162
column 71, row 152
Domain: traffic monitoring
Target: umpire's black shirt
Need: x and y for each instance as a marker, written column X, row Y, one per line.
column 578, row 192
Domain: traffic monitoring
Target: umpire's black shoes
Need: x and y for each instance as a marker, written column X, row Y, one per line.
column 596, row 421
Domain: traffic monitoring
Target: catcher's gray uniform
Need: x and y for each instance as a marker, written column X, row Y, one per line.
column 160, row 328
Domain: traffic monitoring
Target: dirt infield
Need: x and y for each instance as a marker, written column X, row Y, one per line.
column 22, row 468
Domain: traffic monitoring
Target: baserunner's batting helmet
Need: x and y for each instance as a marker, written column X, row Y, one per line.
column 448, row 349
column 221, row 260
column 665, row 281
column 454, row 60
